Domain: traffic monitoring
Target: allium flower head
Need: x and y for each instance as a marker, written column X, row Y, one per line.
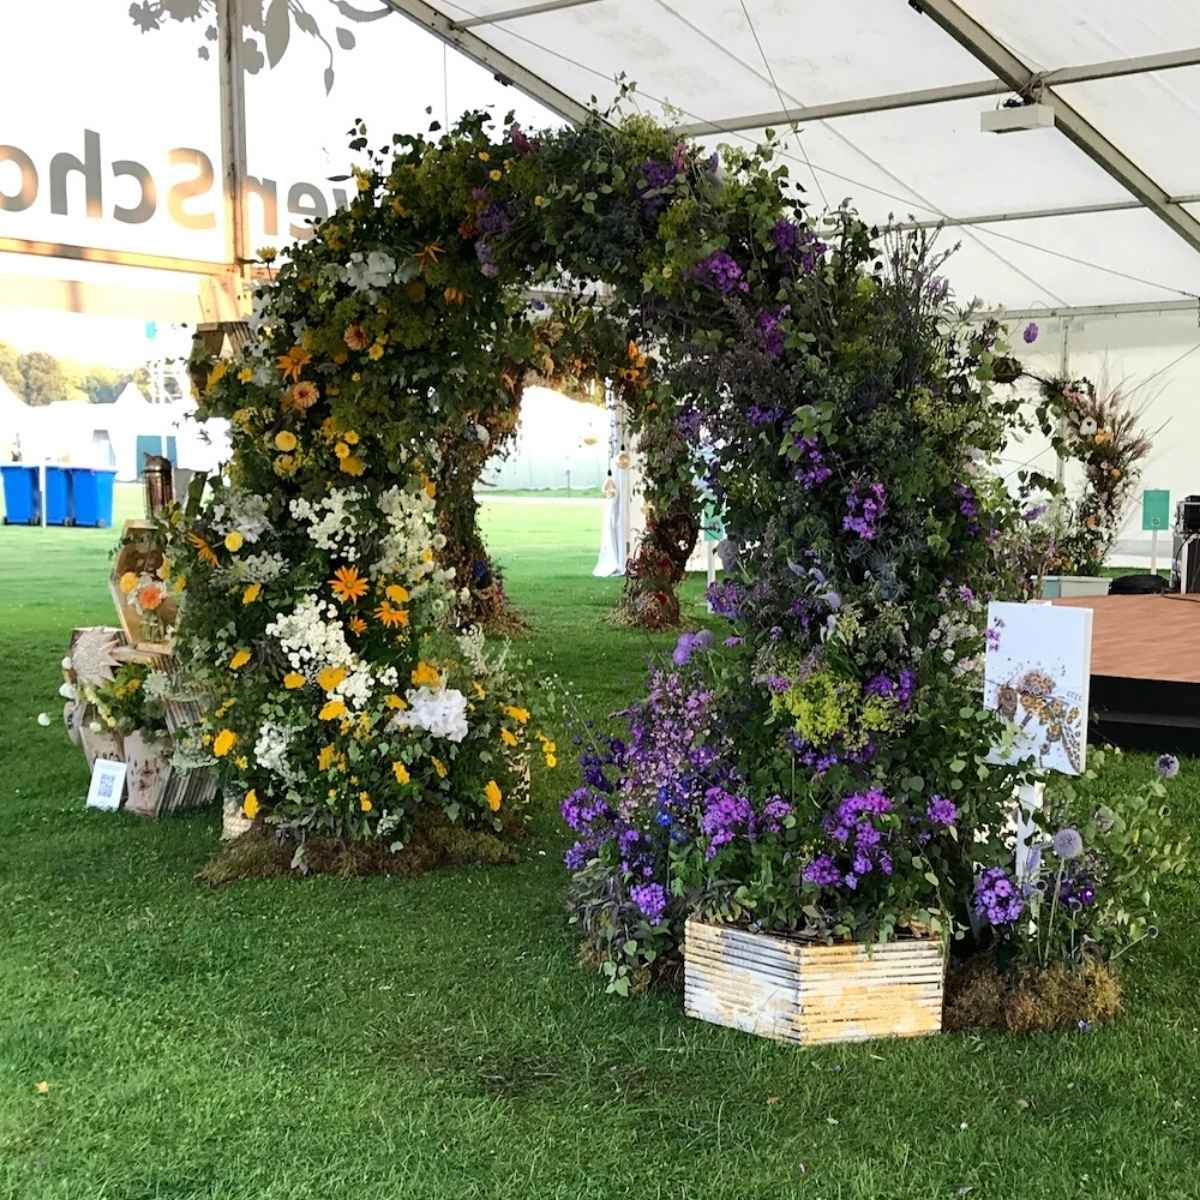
column 1067, row 843
column 1167, row 766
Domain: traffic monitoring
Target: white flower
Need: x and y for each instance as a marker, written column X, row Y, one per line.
column 331, row 527
column 309, row 639
column 94, row 726
column 1087, row 427
column 244, row 511
column 270, row 750
column 66, row 663
column 442, row 713
column 43, row 719
column 371, row 271
column 67, row 692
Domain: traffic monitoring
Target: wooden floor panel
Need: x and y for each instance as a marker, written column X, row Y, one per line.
column 1144, row 637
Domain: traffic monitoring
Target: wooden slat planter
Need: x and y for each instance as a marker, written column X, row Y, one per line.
column 794, row 991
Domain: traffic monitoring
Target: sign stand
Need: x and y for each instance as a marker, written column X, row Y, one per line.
column 1156, row 515
column 1029, row 803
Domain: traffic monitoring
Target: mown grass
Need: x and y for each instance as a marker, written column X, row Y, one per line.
column 386, row 1039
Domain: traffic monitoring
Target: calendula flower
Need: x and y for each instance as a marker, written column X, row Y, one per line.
column 285, row 439
column 332, row 710
column 285, row 465
column 364, row 802
column 438, row 766
column 250, row 804
column 293, row 362
column 224, row 742
column 204, row 550
column 520, row 715
column 426, row 675
column 352, row 465
column 251, row 593
column 396, row 702
column 128, row 582
column 397, row 594
column 239, row 660
column 348, row 585
column 341, row 450
column 350, row 437
column 293, row 680
column 376, row 351
column 493, row 795
column 245, row 375
column 330, row 677
column 390, row 617
column 357, row 625
column 215, row 376
column 234, row 541
column 401, row 773
column 356, row 337
column 303, row 396
column 453, row 295
column 508, row 737
column 551, row 760
column 325, row 758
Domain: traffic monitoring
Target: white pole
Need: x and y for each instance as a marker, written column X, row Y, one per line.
column 1029, row 801
column 42, row 486
column 1154, row 552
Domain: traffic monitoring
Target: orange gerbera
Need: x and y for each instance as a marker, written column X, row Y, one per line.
column 204, row 550
column 348, row 585
column 356, row 337
column 150, row 596
column 302, row 396
column 357, row 625
column 390, row 616
column 428, row 255
column 293, row 362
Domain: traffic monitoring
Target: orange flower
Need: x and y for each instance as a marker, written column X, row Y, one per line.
column 239, row 660
column 293, row 362
column 293, row 680
column 332, row 710
column 357, row 625
column 204, row 550
column 426, row 675
column 250, row 805
column 428, row 255
column 364, row 802
column 302, row 396
column 348, row 585
column 224, row 742
column 352, row 465
column 397, row 594
column 453, row 295
column 389, row 616
column 394, row 701
column 356, row 337
column 150, row 596
column 492, row 794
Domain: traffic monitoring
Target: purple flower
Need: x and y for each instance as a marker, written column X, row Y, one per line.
column 997, row 899
column 487, row 263
column 797, row 244
column 822, row 871
column 941, row 811
column 1067, row 843
column 866, row 505
column 1032, row 514
column 725, row 597
column 495, row 220
column 689, row 644
column 1031, row 333
column 724, row 816
column 811, row 469
column 770, row 336
column 659, row 175
column 721, row 271
column 651, row 899
column 520, row 140
column 1167, row 766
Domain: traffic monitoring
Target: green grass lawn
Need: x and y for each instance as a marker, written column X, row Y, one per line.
column 381, row 1039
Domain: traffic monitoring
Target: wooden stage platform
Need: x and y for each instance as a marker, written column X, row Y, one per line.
column 1145, row 686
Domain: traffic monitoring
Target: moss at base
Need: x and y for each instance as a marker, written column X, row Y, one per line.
column 1030, row 1000
column 258, row 854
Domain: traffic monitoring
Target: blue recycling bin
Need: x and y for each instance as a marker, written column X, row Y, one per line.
column 58, row 495
column 92, row 495
column 22, row 503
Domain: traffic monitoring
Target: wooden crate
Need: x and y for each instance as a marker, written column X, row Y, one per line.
column 795, row 991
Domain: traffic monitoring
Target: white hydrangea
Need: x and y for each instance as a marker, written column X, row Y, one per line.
column 311, row 636
column 443, row 713
column 260, row 568
column 371, row 271
column 271, row 748
column 241, row 510
column 330, row 525
column 409, row 516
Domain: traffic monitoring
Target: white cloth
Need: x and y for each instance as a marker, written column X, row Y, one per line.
column 611, row 560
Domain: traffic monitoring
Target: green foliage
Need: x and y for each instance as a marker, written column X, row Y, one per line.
column 42, row 379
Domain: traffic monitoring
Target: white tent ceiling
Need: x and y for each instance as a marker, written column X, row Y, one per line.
column 909, row 82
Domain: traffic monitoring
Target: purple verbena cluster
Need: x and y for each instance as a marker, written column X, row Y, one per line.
column 770, row 336
column 658, row 175
column 725, row 596
column 720, row 270
column 997, row 898
column 899, row 689
column 495, row 220
column 651, row 900
column 941, row 811
column 798, row 244
column 860, row 840
column 866, row 505
column 811, row 467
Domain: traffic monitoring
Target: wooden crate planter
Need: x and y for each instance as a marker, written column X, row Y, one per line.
column 140, row 552
column 781, row 987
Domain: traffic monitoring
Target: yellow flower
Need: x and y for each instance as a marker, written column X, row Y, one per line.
column 427, row 554
column 484, row 156
column 394, row 701
column 285, row 439
column 250, row 804
column 492, row 794
column 332, row 710
column 215, row 376
column 286, row 465
column 520, row 715
column 325, row 758
column 364, row 802
column 428, row 487
column 495, row 176
column 267, row 253
column 234, row 541
column 350, row 437
column 224, row 742
column 356, row 337
column 180, row 583
column 551, row 760
column 397, row 594
column 376, row 351
column 204, row 550
column 241, row 762
column 352, row 465
column 129, row 581
column 426, row 675
column 252, row 592
column 508, row 737
column 293, row 680
column 342, row 450
column 239, row 660
column 438, row 766
column 245, row 375
column 401, row 773
column 389, row 616
column 540, row 201
column 348, row 585
column 302, row 396
column 330, row 677
column 479, row 689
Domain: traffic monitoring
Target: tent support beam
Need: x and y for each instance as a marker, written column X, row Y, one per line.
column 1005, row 65
column 233, row 130
column 1036, row 214
column 1146, row 308
column 506, row 70
column 528, row 10
column 941, row 95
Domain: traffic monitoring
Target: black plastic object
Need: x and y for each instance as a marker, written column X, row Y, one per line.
column 1137, row 585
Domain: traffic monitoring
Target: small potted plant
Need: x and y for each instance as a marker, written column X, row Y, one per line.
column 132, row 707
